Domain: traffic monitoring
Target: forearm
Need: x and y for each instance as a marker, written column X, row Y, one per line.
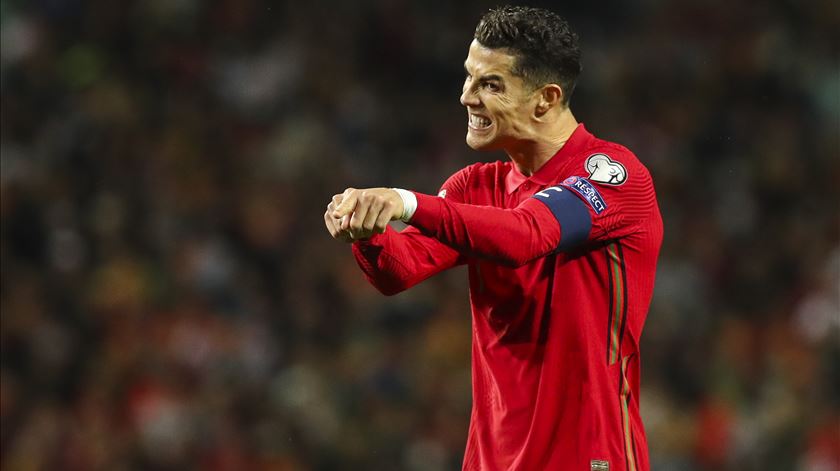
column 393, row 262
column 509, row 236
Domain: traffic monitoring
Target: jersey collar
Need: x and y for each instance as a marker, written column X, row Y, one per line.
column 547, row 174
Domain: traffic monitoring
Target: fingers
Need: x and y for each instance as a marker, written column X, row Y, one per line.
column 373, row 214
column 347, row 202
column 358, row 214
column 336, row 201
column 357, row 219
column 382, row 221
column 334, row 226
column 329, row 222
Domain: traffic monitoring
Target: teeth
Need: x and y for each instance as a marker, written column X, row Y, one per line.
column 478, row 121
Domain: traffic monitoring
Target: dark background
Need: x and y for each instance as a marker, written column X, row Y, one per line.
column 171, row 300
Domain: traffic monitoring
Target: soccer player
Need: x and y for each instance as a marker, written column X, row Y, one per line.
column 561, row 243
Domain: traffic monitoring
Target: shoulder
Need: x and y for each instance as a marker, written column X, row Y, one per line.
column 609, row 163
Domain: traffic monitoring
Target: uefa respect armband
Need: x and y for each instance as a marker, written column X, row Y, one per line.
column 570, row 212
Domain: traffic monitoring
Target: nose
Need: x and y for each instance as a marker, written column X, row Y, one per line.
column 468, row 97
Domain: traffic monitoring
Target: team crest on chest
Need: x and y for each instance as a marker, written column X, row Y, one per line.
column 603, row 169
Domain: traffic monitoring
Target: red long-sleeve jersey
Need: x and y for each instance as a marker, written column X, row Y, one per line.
column 561, row 268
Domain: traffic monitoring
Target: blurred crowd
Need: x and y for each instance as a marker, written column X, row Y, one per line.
column 170, row 299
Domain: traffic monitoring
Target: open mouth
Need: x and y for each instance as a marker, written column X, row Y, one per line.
column 478, row 122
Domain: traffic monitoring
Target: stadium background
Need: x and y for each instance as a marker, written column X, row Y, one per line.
column 171, row 300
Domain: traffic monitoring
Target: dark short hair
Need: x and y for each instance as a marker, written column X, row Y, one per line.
column 546, row 50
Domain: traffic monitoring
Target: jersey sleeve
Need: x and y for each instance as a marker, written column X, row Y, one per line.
column 581, row 209
column 395, row 261
column 614, row 189
column 507, row 236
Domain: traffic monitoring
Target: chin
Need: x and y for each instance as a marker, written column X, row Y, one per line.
column 477, row 143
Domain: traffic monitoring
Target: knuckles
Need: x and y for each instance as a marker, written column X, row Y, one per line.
column 372, row 198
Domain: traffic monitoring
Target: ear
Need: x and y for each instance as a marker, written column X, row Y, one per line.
column 550, row 96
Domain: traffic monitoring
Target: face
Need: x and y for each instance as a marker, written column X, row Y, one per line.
column 499, row 104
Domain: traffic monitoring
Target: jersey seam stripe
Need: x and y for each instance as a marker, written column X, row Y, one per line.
column 619, row 297
column 624, row 398
column 617, row 312
column 624, row 294
column 611, row 308
column 618, row 301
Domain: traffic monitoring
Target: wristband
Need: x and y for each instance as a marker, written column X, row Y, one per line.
column 409, row 203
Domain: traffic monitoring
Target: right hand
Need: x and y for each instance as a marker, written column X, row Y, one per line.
column 365, row 212
column 334, row 224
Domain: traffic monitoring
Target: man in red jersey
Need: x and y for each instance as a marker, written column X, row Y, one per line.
column 561, row 243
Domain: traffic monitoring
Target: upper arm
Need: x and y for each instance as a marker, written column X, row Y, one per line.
column 606, row 198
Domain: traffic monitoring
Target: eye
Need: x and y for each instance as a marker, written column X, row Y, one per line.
column 491, row 86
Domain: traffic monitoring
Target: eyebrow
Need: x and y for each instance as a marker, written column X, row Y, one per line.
column 485, row 78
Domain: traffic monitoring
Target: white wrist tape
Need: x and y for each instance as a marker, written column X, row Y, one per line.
column 409, row 203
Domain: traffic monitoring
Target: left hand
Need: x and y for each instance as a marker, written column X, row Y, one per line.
column 369, row 210
column 334, row 224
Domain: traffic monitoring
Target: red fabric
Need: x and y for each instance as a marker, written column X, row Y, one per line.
column 545, row 393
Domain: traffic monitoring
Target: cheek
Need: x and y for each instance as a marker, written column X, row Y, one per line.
column 505, row 107
column 507, row 116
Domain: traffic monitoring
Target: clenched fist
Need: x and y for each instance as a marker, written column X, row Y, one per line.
column 358, row 214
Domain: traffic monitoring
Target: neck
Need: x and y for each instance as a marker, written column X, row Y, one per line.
column 548, row 138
